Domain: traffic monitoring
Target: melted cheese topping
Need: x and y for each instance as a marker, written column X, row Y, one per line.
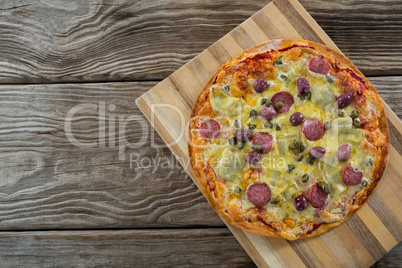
column 237, row 175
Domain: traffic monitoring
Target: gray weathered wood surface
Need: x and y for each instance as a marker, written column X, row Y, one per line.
column 47, row 183
column 53, row 41
column 124, row 248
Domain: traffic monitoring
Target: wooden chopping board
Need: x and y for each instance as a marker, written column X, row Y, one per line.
column 359, row 242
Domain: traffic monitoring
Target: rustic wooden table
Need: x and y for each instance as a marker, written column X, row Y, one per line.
column 69, row 195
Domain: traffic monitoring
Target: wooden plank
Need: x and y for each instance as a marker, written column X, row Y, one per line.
column 354, row 19
column 388, row 88
column 46, row 182
column 125, row 40
column 377, row 228
column 354, row 246
column 342, row 255
column 296, row 20
column 367, row 239
column 391, row 259
column 129, row 248
column 109, row 40
column 210, row 247
column 386, row 215
column 328, row 259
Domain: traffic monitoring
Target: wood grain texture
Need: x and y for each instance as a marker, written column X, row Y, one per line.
column 389, row 90
column 129, row 248
column 212, row 247
column 362, row 31
column 46, row 182
column 390, row 260
column 48, row 41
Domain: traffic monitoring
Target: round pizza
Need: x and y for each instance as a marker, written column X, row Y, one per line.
column 288, row 139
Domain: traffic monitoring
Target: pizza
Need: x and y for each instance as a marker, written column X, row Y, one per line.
column 288, row 139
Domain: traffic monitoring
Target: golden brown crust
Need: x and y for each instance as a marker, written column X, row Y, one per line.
column 259, row 227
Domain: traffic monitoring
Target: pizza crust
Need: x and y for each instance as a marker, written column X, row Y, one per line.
column 258, row 227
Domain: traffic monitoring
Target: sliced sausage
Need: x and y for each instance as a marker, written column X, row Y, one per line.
column 259, row 194
column 264, row 140
column 319, row 65
column 210, row 129
column 316, row 196
column 343, row 153
column 351, row 176
column 313, row 129
column 285, row 97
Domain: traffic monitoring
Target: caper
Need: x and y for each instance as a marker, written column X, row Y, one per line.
column 302, row 147
column 283, row 76
column 329, row 78
column 279, row 105
column 236, row 123
column 251, row 126
column 269, row 84
column 232, row 141
column 256, row 148
column 370, row 162
column 364, row 183
column 279, row 60
column 308, row 95
column 300, row 96
column 325, row 186
column 305, row 178
column 265, row 101
column 226, row 87
column 341, row 113
column 291, row 146
column 357, row 123
column 328, row 188
column 274, row 200
column 296, row 144
column 299, row 157
column 354, row 114
column 253, row 113
column 268, row 124
column 237, row 189
column 291, row 167
column 310, row 160
column 240, row 145
column 327, row 125
column 277, row 126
